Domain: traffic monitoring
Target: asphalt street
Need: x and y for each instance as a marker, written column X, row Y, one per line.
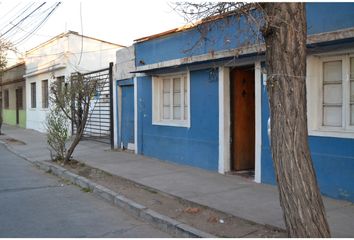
column 36, row 204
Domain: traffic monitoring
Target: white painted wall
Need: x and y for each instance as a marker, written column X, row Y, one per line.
column 125, row 63
column 87, row 54
column 60, row 56
column 36, row 116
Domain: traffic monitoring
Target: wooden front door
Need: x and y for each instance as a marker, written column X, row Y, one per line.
column 242, row 119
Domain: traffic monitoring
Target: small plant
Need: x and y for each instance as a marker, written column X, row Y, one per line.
column 57, row 133
column 87, row 190
column 71, row 103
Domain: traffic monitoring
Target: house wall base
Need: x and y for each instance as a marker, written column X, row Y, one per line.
column 333, row 160
column 9, row 117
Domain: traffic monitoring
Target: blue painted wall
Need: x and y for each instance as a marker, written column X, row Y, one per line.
column 204, row 39
column 229, row 33
column 127, row 124
column 195, row 146
column 327, row 17
column 333, row 159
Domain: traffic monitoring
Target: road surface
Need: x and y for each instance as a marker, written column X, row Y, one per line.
column 36, row 204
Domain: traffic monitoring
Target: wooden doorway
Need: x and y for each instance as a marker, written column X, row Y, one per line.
column 242, row 95
column 18, row 104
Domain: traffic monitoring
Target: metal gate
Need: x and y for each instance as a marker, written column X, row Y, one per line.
column 99, row 126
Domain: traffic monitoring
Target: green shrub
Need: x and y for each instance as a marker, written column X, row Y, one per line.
column 57, row 133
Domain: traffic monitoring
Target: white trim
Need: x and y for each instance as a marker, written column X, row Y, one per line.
column 224, row 120
column 131, row 146
column 330, row 133
column 258, row 122
column 52, row 68
column 115, row 115
column 141, row 75
column 156, row 98
column 136, row 115
column 119, row 140
column 346, row 130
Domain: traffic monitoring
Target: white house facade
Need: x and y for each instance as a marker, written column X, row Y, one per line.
column 57, row 59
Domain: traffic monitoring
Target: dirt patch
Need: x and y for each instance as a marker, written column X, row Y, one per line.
column 200, row 217
column 14, row 141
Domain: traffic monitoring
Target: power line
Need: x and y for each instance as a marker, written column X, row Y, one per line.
column 28, row 24
column 26, row 31
column 82, row 35
column 39, row 25
column 19, row 13
column 23, row 19
column 3, row 17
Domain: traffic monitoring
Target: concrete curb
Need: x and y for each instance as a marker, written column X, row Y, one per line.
column 162, row 222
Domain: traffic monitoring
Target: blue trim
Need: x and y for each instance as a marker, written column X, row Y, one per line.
column 127, row 124
column 117, row 115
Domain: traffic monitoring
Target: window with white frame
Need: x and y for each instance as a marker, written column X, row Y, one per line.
column 171, row 100
column 337, row 106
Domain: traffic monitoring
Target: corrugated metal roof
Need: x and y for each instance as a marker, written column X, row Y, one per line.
column 168, row 32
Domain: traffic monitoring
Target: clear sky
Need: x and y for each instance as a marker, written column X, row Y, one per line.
column 116, row 21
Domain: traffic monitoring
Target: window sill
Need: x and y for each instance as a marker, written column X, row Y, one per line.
column 172, row 124
column 349, row 133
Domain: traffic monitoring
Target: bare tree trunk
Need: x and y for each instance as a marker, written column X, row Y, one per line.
column 73, row 145
column 285, row 38
column 0, row 119
column 82, row 115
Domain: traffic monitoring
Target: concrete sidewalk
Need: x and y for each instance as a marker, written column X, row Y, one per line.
column 231, row 194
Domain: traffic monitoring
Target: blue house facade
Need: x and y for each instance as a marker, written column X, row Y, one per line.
column 199, row 98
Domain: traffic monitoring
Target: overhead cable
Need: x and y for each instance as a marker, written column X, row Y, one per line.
column 38, row 26
column 23, row 19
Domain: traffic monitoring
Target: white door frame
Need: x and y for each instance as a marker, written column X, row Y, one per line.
column 224, row 120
